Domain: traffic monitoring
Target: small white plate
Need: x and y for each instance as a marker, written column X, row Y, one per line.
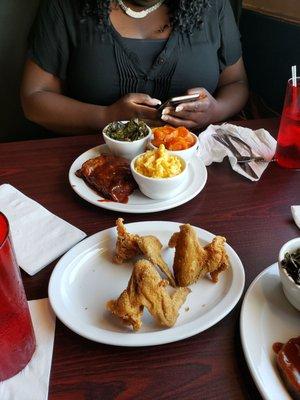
column 267, row 317
column 86, row 278
column 138, row 203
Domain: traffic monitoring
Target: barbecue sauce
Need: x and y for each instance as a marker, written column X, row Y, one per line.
column 288, row 362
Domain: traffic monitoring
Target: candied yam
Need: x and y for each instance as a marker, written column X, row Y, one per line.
column 170, row 136
column 168, row 128
column 173, row 146
column 173, row 138
column 182, row 131
column 159, row 135
column 163, row 129
column 190, row 140
column 178, row 144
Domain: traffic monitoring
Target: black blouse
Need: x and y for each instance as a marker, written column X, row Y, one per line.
column 99, row 67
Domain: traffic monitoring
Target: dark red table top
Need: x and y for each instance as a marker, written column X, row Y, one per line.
column 254, row 217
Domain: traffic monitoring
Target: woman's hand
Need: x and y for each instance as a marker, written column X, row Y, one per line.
column 195, row 114
column 133, row 105
column 229, row 98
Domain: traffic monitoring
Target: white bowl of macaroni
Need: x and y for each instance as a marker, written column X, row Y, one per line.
column 159, row 174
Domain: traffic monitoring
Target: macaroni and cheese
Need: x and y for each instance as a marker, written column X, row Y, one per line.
column 158, row 164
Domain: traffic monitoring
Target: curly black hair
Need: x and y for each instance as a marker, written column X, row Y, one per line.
column 185, row 15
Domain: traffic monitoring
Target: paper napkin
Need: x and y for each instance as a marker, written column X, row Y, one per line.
column 296, row 214
column 32, row 383
column 261, row 142
column 39, row 236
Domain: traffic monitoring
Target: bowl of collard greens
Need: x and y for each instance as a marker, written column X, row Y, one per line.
column 289, row 271
column 127, row 138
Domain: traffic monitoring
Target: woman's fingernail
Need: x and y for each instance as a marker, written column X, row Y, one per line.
column 165, row 111
column 164, row 117
column 157, row 102
column 178, row 108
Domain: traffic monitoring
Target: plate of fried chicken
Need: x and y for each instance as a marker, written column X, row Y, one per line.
column 106, row 181
column 146, row 283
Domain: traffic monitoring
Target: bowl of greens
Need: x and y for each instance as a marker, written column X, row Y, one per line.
column 289, row 270
column 127, row 138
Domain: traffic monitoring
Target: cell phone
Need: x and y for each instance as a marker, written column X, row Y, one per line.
column 174, row 101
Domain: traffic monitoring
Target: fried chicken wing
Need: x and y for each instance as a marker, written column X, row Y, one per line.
column 192, row 261
column 189, row 255
column 151, row 247
column 127, row 246
column 147, row 289
column 130, row 245
column 216, row 257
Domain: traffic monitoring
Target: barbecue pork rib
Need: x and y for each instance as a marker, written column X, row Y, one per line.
column 110, row 176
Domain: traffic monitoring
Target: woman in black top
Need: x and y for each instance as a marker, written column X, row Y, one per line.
column 91, row 62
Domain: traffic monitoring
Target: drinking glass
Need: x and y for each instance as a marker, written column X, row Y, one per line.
column 17, row 340
column 288, row 141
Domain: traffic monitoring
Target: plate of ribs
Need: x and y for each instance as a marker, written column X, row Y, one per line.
column 270, row 333
column 146, row 283
column 106, row 181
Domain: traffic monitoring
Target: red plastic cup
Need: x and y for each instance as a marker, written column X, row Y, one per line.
column 288, row 140
column 17, row 340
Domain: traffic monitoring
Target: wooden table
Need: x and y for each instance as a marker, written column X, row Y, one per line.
column 254, row 217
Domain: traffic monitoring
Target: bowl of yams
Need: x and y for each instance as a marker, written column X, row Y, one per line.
column 178, row 141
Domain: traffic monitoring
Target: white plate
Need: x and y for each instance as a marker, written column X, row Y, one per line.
column 86, row 278
column 267, row 317
column 138, row 203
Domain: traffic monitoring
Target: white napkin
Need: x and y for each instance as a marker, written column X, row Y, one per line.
column 39, row 237
column 32, row 383
column 261, row 142
column 296, row 214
